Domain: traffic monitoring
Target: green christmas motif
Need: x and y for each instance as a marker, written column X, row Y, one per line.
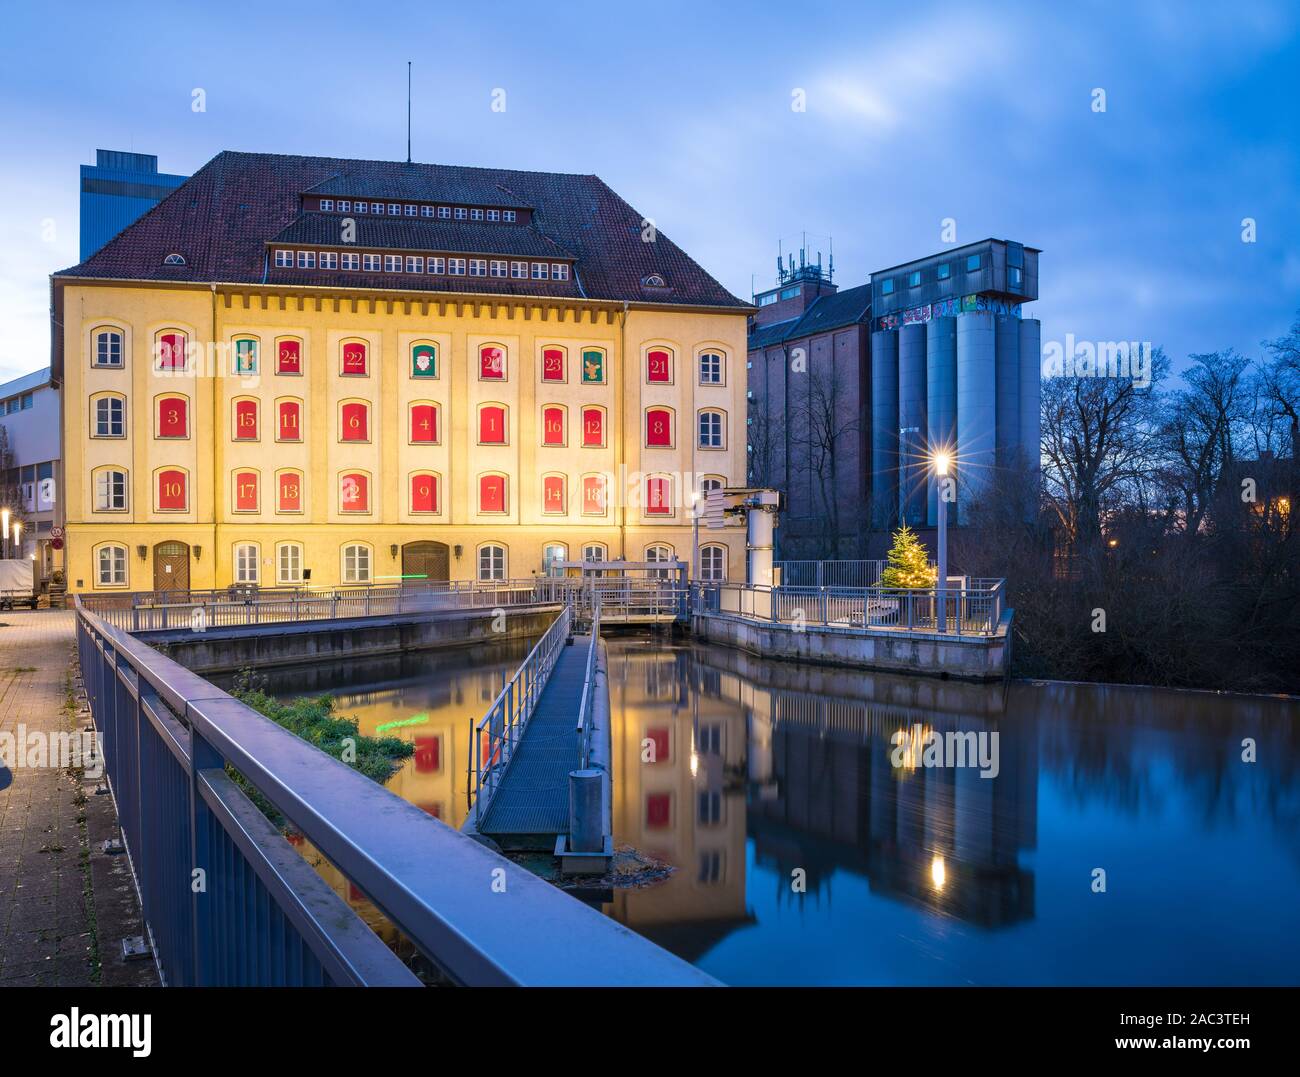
column 245, row 357
column 909, row 563
column 593, row 366
column 424, row 361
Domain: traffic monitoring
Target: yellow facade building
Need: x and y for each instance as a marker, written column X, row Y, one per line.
column 323, row 372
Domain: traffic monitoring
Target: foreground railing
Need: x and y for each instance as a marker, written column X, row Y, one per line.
column 587, row 706
column 499, row 731
column 966, row 611
column 228, row 900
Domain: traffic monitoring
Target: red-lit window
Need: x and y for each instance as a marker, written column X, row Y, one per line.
column 290, row 421
column 171, row 351
column 428, row 754
column 658, row 810
column 659, row 428
column 424, row 493
column 593, row 428
column 173, row 417
column 658, row 496
column 354, row 358
column 491, row 363
column 355, row 422
column 553, row 494
column 424, row 423
column 552, row 364
column 492, row 493
column 354, row 492
column 492, row 425
column 172, row 491
column 245, row 491
column 553, row 425
column 245, row 420
column 288, row 357
column 593, row 495
column 658, row 366
column 658, row 738
column 289, row 493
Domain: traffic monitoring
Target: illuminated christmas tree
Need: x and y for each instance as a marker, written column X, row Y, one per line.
column 909, row 563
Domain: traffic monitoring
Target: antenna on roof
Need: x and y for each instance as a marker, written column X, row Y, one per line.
column 408, row 112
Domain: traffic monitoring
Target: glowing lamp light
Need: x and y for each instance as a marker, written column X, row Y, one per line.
column 942, row 461
column 938, row 873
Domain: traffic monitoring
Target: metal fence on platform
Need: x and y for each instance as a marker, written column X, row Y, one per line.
column 229, row 902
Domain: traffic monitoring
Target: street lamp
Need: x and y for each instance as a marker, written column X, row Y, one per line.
column 942, row 461
column 4, row 523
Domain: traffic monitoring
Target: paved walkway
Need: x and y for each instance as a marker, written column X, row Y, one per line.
column 65, row 905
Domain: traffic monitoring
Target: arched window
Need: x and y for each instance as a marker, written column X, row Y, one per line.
column 492, row 363
column 354, row 420
column 713, row 430
column 713, row 370
column 171, row 351
column 424, row 359
column 492, row 420
column 247, row 560
column 172, row 417
column 553, row 423
column 595, row 495
column 172, row 490
column 110, row 565
column 354, row 492
column 246, row 355
column 356, row 563
column 424, row 492
column 659, row 428
column 659, row 495
column 354, row 361
column 554, row 495
column 424, row 427
column 246, row 490
column 659, row 366
column 110, row 489
column 288, row 355
column 593, row 427
column 245, row 414
column 108, row 348
column 713, row 563
column 108, row 416
column 288, row 563
column 491, row 562
column 594, row 551
column 288, row 420
column 554, row 366
column 492, row 493
column 288, row 491
column 657, row 553
column 552, row 553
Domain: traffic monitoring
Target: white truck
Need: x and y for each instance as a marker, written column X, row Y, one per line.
column 17, row 583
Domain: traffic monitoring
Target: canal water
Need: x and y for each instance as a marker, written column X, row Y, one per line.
column 1123, row 840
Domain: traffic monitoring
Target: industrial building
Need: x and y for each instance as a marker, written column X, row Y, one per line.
column 851, row 391
column 117, row 190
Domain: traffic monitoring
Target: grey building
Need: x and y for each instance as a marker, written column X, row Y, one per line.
column 851, row 391
column 29, row 460
column 117, row 190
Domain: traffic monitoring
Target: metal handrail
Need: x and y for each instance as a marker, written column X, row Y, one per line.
column 499, row 731
column 588, row 691
column 263, row 916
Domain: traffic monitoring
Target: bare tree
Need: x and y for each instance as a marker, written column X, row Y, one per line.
column 821, row 404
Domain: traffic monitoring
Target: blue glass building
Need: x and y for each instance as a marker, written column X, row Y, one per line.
column 117, row 190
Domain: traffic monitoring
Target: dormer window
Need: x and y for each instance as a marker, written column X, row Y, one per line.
column 444, row 212
column 461, row 213
column 508, row 215
column 476, row 215
column 327, row 205
column 174, row 260
column 654, row 280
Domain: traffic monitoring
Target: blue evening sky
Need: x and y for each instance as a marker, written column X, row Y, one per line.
column 915, row 112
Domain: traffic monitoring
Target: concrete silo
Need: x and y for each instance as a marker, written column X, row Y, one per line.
column 912, row 424
column 884, row 428
column 941, row 395
column 976, row 406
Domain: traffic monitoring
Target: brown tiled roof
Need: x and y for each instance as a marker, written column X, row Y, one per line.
column 222, row 218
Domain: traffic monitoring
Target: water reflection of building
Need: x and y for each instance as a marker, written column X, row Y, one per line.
column 797, row 761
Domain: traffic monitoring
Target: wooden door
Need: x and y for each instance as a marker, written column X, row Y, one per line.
column 423, row 561
column 171, row 567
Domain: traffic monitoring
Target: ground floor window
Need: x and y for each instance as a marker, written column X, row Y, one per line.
column 246, row 562
column 356, row 563
column 491, row 562
column 289, row 563
column 713, row 563
column 551, row 556
column 659, row 553
column 110, row 566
